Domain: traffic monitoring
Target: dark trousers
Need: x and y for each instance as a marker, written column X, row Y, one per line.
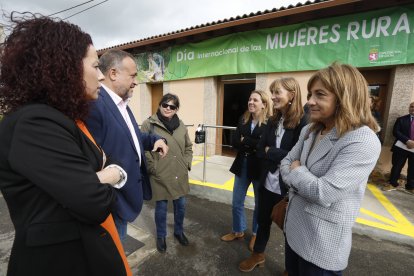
column 267, row 200
column 296, row 266
column 399, row 156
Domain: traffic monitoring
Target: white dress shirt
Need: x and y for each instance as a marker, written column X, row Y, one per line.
column 122, row 107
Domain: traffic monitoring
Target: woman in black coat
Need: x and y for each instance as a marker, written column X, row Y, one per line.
column 246, row 166
column 48, row 163
column 280, row 135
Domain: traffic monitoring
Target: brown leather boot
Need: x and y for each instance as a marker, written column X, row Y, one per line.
column 251, row 243
column 232, row 237
column 256, row 259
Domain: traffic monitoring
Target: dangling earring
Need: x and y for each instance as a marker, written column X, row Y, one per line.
column 293, row 96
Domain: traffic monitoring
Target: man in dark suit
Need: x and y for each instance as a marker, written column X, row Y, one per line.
column 404, row 133
column 114, row 128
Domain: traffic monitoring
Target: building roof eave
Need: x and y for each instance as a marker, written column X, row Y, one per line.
column 232, row 22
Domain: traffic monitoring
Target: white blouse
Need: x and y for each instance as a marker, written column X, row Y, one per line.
column 272, row 180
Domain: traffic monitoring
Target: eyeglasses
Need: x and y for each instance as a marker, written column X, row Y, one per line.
column 171, row 106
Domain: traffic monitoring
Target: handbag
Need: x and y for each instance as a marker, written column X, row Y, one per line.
column 279, row 212
column 200, row 135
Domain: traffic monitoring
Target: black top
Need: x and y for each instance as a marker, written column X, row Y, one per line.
column 247, row 148
column 55, row 199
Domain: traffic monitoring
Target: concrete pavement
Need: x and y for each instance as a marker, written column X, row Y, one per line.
column 387, row 215
column 207, row 220
column 383, row 235
column 383, row 240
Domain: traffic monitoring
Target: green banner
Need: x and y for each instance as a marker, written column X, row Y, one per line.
column 379, row 38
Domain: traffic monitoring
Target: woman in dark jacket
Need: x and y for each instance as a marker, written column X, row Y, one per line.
column 246, row 166
column 280, row 135
column 48, row 162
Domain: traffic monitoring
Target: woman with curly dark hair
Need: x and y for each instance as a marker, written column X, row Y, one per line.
column 60, row 209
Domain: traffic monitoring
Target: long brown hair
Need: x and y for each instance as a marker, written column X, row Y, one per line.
column 351, row 90
column 295, row 109
column 266, row 112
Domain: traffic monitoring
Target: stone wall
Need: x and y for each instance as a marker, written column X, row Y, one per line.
column 401, row 90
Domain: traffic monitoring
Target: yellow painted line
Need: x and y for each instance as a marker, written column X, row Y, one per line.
column 401, row 225
column 197, row 160
column 249, row 193
column 388, row 205
column 379, row 217
column 211, row 185
column 407, row 231
column 227, row 186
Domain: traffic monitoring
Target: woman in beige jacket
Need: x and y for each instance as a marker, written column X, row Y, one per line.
column 169, row 175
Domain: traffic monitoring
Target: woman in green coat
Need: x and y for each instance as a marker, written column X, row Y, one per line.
column 169, row 175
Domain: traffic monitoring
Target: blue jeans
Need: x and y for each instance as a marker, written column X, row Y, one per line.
column 241, row 184
column 121, row 227
column 161, row 216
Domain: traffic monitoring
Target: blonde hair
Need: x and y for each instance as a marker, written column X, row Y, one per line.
column 351, row 90
column 295, row 110
column 266, row 111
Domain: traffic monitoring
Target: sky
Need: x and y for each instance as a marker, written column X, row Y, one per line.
column 119, row 21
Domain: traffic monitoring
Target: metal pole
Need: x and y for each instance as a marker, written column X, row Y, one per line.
column 204, row 154
column 204, row 127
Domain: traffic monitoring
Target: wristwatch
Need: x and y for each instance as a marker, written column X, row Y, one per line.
column 121, row 177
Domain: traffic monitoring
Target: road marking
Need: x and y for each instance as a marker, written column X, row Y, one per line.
column 198, row 159
column 228, row 185
column 400, row 225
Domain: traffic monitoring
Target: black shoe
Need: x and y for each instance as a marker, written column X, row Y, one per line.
column 182, row 239
column 161, row 245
